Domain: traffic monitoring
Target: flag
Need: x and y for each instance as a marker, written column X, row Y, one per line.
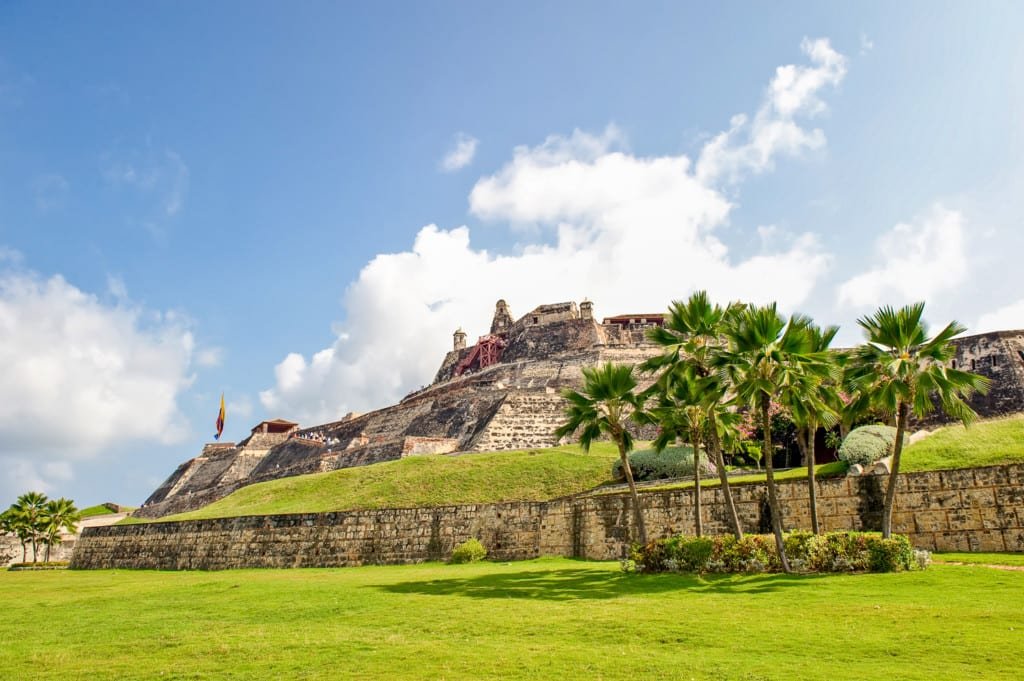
column 220, row 418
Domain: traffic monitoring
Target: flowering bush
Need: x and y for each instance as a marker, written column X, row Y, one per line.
column 807, row 552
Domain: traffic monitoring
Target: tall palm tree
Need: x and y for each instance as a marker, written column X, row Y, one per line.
column 30, row 509
column 60, row 514
column 692, row 338
column 605, row 405
column 906, row 371
column 768, row 357
column 815, row 404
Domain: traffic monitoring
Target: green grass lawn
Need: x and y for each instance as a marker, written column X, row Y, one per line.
column 1012, row 559
column 436, row 480
column 985, row 443
column 547, row 619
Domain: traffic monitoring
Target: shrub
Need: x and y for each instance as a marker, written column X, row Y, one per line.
column 469, row 551
column 832, row 552
column 868, row 444
column 890, row 555
column 673, row 462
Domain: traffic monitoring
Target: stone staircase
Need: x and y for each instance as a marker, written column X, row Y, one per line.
column 525, row 419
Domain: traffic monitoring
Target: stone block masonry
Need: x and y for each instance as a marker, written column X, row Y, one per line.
column 978, row 509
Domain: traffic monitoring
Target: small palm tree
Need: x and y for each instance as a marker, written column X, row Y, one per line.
column 769, row 357
column 693, row 338
column 29, row 511
column 905, row 371
column 60, row 515
column 605, row 405
column 680, row 415
column 815, row 404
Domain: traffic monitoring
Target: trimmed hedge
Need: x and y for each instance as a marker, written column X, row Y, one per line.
column 868, row 444
column 673, row 462
column 807, row 552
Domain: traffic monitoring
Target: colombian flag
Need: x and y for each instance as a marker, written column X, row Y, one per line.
column 220, row 418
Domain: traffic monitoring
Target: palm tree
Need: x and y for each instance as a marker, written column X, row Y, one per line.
column 60, row 514
column 29, row 512
column 606, row 403
column 815, row 404
column 680, row 415
column 904, row 370
column 693, row 338
column 768, row 357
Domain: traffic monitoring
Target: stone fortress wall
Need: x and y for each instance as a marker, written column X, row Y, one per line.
column 504, row 398
column 961, row 510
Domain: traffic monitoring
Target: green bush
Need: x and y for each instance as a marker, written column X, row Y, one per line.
column 673, row 462
column 891, row 555
column 868, row 444
column 469, row 551
column 807, row 552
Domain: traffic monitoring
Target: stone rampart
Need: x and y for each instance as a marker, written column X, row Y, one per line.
column 978, row 509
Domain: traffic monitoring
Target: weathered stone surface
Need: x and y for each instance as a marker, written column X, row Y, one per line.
column 594, row 526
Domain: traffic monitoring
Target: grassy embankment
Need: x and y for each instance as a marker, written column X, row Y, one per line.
column 101, row 509
column 547, row 619
column 538, row 475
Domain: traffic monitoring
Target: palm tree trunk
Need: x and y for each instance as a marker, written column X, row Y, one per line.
column 698, row 522
column 34, row 558
column 773, row 498
column 897, row 450
column 812, row 484
column 723, row 477
column 24, row 552
column 46, row 554
column 637, row 511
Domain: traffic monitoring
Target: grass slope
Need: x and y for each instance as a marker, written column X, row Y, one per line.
column 101, row 509
column 528, row 475
column 1010, row 559
column 548, row 619
column 986, row 443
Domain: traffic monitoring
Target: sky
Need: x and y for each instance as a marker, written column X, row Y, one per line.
column 296, row 204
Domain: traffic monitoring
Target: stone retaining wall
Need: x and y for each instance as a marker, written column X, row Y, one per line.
column 964, row 510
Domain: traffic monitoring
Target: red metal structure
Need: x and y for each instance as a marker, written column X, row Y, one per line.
column 486, row 352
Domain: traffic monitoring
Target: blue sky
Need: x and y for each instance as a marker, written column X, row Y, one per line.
column 254, row 198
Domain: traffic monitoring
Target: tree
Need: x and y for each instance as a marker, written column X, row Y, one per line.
column 904, row 371
column 815, row 403
column 607, row 402
column 29, row 512
column 767, row 357
column 693, row 338
column 60, row 514
column 680, row 415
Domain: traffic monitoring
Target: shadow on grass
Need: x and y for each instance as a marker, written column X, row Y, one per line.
column 572, row 584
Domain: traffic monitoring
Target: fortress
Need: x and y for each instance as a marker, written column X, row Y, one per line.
column 500, row 393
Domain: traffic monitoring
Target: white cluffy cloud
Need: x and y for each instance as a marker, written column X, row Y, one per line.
column 626, row 231
column 80, row 376
column 461, row 155
column 751, row 145
column 1007, row 317
column 915, row 261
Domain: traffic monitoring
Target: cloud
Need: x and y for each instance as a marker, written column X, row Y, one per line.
column 461, row 155
column 81, row 376
column 1007, row 317
column 751, row 145
column 163, row 176
column 49, row 191
column 627, row 231
column 916, row 261
column 210, row 357
column 866, row 44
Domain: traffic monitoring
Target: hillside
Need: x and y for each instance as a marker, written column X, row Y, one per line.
column 432, row 480
column 985, row 443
